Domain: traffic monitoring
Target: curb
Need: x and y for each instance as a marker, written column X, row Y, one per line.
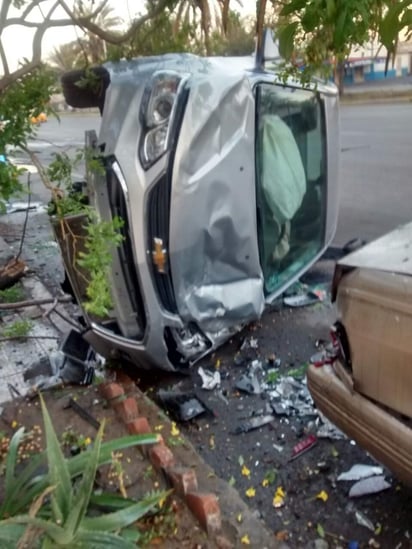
column 217, row 510
column 204, row 506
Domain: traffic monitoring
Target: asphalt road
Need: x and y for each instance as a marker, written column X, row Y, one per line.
column 376, row 168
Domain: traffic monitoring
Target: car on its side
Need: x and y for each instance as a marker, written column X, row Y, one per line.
column 227, row 181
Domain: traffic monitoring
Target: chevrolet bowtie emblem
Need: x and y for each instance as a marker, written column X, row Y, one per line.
column 159, row 255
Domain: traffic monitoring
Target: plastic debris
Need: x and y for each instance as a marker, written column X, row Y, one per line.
column 363, row 520
column 74, row 362
column 249, row 382
column 304, row 446
column 360, row 471
column 182, row 406
column 301, row 300
column 253, row 423
column 210, row 380
column 367, row 486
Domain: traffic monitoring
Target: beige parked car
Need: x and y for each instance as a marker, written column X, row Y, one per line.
column 368, row 392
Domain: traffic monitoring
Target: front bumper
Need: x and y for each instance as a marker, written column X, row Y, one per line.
column 374, row 428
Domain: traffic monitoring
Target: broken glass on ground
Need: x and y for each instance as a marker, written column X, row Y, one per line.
column 249, row 382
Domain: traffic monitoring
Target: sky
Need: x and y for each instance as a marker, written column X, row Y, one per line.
column 17, row 40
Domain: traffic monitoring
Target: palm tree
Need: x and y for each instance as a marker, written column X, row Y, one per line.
column 95, row 47
column 206, row 14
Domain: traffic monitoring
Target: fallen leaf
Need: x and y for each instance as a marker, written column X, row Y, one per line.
column 241, row 460
column 245, row 540
column 250, row 492
column 320, row 531
column 282, row 535
column 245, row 471
column 174, row 430
column 212, row 442
column 217, row 364
column 322, row 495
column 232, row 481
column 334, row 452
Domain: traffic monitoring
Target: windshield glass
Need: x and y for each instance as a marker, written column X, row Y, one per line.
column 291, row 181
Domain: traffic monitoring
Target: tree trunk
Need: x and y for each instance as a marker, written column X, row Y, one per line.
column 339, row 73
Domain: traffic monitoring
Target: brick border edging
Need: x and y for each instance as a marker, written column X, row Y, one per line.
column 203, row 505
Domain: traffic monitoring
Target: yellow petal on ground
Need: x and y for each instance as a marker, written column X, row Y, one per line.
column 245, row 540
column 322, row 495
column 279, row 498
column 245, row 471
column 265, row 482
column 278, row 501
column 174, row 431
column 250, row 492
column 14, row 424
column 239, row 518
column 217, row 365
column 158, row 427
column 87, row 441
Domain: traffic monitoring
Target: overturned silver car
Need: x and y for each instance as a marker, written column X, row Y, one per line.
column 227, row 183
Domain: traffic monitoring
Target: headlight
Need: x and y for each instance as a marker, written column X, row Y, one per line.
column 157, row 113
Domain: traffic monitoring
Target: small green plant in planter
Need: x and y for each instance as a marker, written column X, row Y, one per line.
column 52, row 510
column 85, row 240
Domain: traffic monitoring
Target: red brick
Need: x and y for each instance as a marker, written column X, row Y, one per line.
column 206, row 509
column 139, row 426
column 109, row 391
column 182, row 479
column 127, row 409
column 127, row 382
column 161, row 456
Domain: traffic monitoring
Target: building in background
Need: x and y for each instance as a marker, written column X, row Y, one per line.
column 368, row 63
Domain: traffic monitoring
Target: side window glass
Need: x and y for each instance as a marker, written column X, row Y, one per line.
column 291, row 181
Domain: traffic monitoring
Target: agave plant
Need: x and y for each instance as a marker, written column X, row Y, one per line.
column 64, row 502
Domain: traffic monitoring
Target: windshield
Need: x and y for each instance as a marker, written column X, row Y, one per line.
column 291, row 181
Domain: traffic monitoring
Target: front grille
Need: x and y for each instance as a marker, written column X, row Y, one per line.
column 118, row 208
column 158, row 224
